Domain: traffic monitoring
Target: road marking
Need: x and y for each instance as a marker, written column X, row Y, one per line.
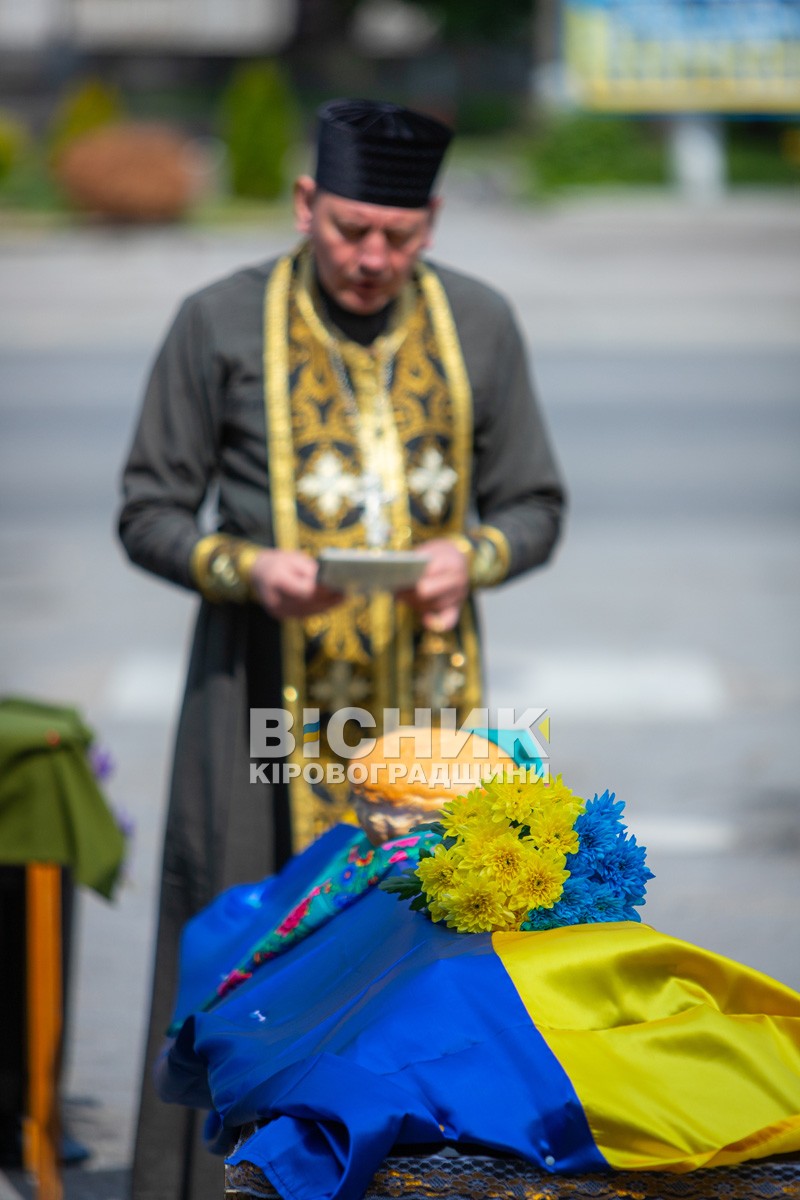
column 589, row 686
column 684, row 836
column 605, row 687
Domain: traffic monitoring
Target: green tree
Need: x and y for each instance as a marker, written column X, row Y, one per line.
column 14, row 142
column 481, row 20
column 259, row 123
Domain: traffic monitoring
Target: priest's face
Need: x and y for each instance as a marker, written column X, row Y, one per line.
column 365, row 253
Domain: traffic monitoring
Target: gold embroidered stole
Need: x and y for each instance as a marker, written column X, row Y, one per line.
column 400, row 412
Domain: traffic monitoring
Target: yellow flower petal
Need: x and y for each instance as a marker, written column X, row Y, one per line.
column 476, row 906
column 437, row 874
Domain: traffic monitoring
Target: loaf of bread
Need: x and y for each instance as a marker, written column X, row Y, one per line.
column 412, row 772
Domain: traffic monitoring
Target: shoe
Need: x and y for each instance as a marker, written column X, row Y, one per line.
column 72, row 1152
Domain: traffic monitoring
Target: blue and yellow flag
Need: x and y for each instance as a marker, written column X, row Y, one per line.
column 581, row 1049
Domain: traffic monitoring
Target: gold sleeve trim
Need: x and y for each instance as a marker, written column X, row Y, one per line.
column 491, row 558
column 222, row 567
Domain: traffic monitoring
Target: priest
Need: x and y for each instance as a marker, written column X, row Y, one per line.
column 351, row 395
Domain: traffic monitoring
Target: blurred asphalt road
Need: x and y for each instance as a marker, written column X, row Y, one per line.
column 663, row 640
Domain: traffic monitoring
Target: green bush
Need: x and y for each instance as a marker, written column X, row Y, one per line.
column 764, row 153
column 585, row 149
column 85, row 106
column 487, row 114
column 259, row 123
column 14, row 142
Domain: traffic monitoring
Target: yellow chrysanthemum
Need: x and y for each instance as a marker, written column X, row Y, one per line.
column 542, row 881
column 438, row 910
column 552, row 829
column 503, row 859
column 458, row 815
column 481, row 832
column 491, row 877
column 437, row 874
column 478, row 906
column 555, row 793
column 511, row 799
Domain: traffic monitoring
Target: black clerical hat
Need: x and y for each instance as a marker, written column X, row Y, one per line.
column 379, row 153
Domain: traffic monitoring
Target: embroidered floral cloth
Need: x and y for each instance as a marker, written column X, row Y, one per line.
column 354, row 868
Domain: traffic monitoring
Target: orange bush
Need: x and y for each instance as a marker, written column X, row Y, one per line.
column 130, row 172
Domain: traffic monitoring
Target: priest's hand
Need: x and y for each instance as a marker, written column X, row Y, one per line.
column 285, row 583
column 443, row 587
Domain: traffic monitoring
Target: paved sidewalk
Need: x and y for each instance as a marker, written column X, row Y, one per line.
column 663, row 641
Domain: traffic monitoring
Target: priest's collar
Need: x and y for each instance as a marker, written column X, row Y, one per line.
column 386, row 328
column 379, row 333
column 363, row 328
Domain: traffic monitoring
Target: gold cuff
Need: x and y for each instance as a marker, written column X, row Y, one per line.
column 222, row 567
column 491, row 557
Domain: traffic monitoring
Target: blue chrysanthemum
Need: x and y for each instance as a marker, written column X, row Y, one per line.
column 574, row 907
column 607, row 905
column 574, row 903
column 623, row 868
column 540, row 918
column 607, row 808
column 598, row 827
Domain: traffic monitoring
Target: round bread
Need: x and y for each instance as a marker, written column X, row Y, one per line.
column 412, row 772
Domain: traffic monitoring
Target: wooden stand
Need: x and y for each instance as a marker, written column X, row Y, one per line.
column 44, row 1008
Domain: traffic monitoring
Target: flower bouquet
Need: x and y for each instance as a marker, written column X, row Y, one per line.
column 526, row 855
